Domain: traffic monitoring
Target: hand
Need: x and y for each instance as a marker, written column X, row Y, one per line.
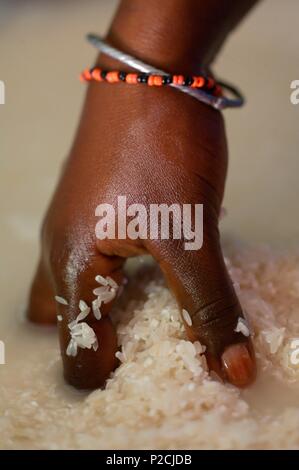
column 153, row 145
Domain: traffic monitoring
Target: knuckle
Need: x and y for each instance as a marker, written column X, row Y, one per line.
column 215, row 322
column 64, row 248
column 67, row 258
column 218, row 313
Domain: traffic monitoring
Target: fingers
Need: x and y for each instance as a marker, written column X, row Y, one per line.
column 210, row 308
column 41, row 305
column 88, row 348
column 88, row 338
column 90, row 368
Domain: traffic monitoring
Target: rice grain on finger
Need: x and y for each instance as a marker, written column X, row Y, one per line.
column 112, row 282
column 61, row 300
column 96, row 304
column 186, row 317
column 101, row 280
column 242, row 327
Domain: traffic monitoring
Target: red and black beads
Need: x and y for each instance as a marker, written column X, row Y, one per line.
column 207, row 84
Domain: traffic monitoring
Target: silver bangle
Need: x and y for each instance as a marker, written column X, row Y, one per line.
column 214, row 101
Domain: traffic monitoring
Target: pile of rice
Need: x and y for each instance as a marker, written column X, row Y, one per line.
column 162, row 396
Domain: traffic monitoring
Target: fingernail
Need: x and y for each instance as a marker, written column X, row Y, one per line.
column 239, row 365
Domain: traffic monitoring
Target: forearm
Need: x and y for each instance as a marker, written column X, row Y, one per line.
column 179, row 35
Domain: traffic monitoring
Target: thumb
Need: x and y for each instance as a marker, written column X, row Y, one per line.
column 209, row 305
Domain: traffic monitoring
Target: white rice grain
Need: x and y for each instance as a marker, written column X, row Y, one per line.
column 120, row 356
column 187, row 317
column 72, row 348
column 96, row 304
column 112, row 282
column 61, row 300
column 242, row 327
column 99, row 290
column 101, row 280
column 95, row 345
column 83, row 305
column 83, row 335
column 108, row 296
column 59, row 317
column 83, row 314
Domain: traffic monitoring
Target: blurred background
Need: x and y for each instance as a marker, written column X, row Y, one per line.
column 42, row 51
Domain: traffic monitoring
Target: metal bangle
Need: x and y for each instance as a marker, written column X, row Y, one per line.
column 214, row 101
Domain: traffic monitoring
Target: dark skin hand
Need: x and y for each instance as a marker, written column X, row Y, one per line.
column 153, row 145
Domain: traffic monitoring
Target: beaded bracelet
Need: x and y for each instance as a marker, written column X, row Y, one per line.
column 211, row 99
column 206, row 83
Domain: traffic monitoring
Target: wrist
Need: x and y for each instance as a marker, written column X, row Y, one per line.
column 175, row 35
column 165, row 34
